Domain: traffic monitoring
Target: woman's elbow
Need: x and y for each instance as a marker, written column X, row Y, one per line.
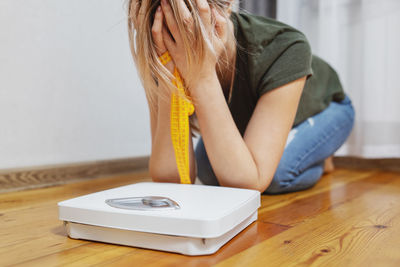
column 260, row 180
column 252, row 182
column 162, row 177
column 260, row 183
column 258, row 186
column 162, row 174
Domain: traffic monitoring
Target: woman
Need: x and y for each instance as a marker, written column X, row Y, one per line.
column 268, row 111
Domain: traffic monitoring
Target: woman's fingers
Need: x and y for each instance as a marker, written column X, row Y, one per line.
column 187, row 16
column 170, row 46
column 156, row 32
column 170, row 19
column 168, row 42
column 220, row 23
column 205, row 13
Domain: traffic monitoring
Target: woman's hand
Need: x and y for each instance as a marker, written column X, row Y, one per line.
column 164, row 41
column 156, row 31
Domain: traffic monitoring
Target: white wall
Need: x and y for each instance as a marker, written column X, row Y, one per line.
column 68, row 88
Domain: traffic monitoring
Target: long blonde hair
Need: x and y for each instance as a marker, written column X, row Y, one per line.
column 152, row 73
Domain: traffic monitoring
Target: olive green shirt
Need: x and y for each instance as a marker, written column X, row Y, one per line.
column 271, row 54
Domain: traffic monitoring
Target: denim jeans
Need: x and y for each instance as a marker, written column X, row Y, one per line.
column 308, row 145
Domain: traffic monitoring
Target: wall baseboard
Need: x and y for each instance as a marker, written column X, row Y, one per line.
column 391, row 165
column 45, row 176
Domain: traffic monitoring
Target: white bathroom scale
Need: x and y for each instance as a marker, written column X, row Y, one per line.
column 180, row 218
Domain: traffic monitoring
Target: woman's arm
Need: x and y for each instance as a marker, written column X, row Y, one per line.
column 162, row 165
column 251, row 161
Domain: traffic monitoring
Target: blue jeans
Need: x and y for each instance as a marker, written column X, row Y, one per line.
column 308, row 145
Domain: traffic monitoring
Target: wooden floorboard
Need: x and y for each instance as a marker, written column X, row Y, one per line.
column 350, row 218
column 359, row 232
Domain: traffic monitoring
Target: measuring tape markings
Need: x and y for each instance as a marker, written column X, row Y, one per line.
column 181, row 109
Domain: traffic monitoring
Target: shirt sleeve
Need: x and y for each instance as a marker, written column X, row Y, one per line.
column 293, row 62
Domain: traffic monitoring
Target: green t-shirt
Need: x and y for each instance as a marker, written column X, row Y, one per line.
column 271, row 54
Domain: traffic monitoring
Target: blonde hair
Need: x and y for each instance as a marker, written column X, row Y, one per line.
column 152, row 73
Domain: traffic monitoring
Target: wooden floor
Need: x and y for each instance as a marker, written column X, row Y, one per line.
column 350, row 218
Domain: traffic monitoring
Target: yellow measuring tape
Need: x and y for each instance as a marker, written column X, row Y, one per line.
column 181, row 109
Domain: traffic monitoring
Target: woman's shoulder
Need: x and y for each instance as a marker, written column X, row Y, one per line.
column 256, row 32
column 271, row 52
